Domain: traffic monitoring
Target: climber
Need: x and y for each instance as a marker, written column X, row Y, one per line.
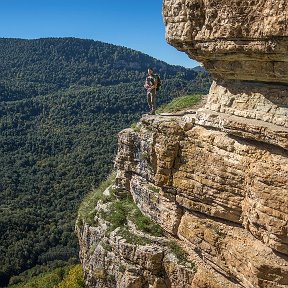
column 151, row 85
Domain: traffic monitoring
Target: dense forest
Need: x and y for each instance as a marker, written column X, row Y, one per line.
column 62, row 103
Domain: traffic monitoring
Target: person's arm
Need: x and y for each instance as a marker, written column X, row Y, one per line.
column 146, row 85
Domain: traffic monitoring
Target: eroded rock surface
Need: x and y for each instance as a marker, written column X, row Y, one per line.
column 127, row 257
column 223, row 195
column 215, row 180
column 235, row 39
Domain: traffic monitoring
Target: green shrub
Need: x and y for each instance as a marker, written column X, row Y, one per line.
column 124, row 209
column 64, row 277
column 145, row 224
column 145, row 156
column 118, row 213
column 181, row 255
column 86, row 210
column 180, row 103
column 178, row 251
column 74, row 278
column 132, row 238
column 135, row 127
column 106, row 246
column 154, row 189
column 122, row 268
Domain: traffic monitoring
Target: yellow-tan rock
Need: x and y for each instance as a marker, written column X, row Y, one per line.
column 224, row 195
column 216, row 180
column 235, row 39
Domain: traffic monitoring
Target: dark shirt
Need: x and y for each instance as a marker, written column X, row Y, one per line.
column 150, row 81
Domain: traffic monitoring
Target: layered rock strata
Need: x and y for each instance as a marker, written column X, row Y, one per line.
column 243, row 44
column 223, row 195
column 215, row 180
column 127, row 257
column 235, row 39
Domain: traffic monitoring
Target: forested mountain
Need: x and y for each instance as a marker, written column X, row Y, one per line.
column 62, row 103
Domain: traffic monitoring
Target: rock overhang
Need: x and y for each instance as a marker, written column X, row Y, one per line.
column 235, row 39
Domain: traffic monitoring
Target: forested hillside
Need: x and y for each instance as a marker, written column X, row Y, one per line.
column 62, row 103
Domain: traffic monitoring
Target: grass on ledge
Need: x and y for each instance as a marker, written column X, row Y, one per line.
column 124, row 209
column 135, row 127
column 86, row 210
column 132, row 238
column 181, row 255
column 145, row 224
column 180, row 103
column 121, row 210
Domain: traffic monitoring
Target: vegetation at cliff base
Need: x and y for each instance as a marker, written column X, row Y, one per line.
column 180, row 103
column 64, row 277
column 62, row 103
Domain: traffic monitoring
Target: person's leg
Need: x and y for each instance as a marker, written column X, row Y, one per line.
column 149, row 100
column 153, row 101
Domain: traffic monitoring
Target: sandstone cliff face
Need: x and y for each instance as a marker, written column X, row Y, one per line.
column 114, row 258
column 216, row 180
column 235, row 39
column 224, row 196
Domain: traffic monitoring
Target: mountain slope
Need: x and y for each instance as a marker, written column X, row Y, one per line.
column 62, row 103
column 33, row 67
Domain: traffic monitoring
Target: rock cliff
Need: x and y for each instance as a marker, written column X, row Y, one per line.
column 216, row 180
column 235, row 39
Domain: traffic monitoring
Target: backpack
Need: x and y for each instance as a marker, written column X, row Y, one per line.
column 158, row 82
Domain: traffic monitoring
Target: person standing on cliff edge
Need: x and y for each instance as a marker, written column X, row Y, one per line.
column 151, row 87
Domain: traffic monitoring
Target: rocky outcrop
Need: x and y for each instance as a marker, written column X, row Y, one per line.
column 235, row 39
column 125, row 256
column 243, row 44
column 216, row 179
column 223, row 195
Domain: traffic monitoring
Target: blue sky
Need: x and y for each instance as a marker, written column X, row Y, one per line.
column 131, row 23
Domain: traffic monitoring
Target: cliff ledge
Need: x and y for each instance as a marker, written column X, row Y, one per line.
column 215, row 181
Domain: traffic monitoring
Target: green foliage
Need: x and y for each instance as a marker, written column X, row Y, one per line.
column 144, row 223
column 180, row 103
column 106, row 246
column 154, row 189
column 64, row 277
column 178, row 251
column 121, row 268
column 62, row 103
column 100, row 273
column 37, row 270
column 119, row 211
column 74, row 278
column 87, row 210
column 135, row 127
column 145, row 156
column 132, row 238
column 181, row 255
column 125, row 209
column 39, row 67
